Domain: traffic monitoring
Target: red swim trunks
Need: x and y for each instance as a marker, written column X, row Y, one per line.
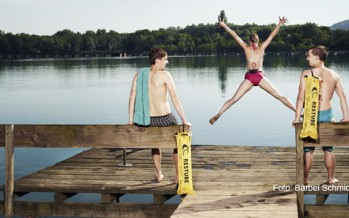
column 254, row 76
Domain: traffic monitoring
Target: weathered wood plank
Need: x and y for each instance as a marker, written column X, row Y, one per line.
column 123, row 187
column 299, row 170
column 122, row 210
column 331, row 134
column 338, row 211
column 249, row 204
column 9, row 170
column 102, row 136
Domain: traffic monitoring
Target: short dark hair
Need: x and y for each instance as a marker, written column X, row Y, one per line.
column 156, row 53
column 320, row 51
column 254, row 38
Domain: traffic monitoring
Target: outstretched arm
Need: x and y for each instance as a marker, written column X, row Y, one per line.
column 274, row 32
column 233, row 34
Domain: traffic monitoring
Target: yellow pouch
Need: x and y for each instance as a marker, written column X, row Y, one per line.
column 311, row 108
column 185, row 182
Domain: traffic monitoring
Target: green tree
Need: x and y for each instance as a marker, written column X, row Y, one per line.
column 4, row 43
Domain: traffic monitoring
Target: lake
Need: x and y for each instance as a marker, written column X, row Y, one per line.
column 96, row 91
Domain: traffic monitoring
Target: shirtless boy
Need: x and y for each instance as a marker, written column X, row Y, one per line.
column 159, row 85
column 330, row 83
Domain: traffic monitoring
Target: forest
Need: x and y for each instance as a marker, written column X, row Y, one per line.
column 201, row 39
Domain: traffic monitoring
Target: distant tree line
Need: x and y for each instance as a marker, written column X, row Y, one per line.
column 194, row 39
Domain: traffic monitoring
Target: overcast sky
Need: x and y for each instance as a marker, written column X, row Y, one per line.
column 46, row 17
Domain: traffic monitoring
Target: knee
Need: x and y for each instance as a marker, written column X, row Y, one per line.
column 233, row 100
column 280, row 97
column 308, row 155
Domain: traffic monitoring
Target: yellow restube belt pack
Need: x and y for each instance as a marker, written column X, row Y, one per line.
column 311, row 108
column 185, row 181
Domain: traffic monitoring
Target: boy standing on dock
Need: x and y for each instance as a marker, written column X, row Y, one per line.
column 330, row 83
column 148, row 102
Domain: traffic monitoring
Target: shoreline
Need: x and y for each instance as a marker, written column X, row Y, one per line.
column 125, row 55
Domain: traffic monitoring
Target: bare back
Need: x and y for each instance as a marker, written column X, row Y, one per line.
column 328, row 86
column 254, row 58
column 157, row 88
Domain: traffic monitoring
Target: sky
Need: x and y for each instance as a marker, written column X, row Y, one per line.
column 46, row 17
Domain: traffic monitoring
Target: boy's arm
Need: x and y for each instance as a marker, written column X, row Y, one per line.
column 300, row 99
column 343, row 100
column 131, row 102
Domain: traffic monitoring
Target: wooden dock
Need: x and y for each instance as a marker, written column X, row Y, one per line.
column 229, row 181
column 237, row 181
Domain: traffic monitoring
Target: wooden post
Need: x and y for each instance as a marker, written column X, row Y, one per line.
column 60, row 197
column 160, row 199
column 124, row 164
column 321, row 199
column 299, row 170
column 9, row 170
column 108, row 198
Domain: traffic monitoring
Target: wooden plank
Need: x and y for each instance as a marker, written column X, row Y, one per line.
column 240, row 204
column 101, row 136
column 338, row 211
column 122, row 210
column 299, row 170
column 123, row 188
column 332, row 134
column 9, row 170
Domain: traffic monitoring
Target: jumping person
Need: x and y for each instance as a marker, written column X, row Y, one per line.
column 254, row 77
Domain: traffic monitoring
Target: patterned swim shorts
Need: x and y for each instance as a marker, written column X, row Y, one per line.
column 167, row 120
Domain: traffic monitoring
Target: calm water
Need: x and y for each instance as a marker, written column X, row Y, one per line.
column 96, row 91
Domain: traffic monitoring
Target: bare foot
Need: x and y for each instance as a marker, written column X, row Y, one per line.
column 160, row 177
column 306, row 182
column 332, row 181
column 214, row 119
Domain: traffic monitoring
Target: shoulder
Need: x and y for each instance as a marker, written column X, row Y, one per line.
column 333, row 74
column 165, row 74
column 162, row 76
column 306, row 73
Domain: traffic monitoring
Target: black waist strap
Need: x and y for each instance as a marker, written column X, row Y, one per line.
column 254, row 71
